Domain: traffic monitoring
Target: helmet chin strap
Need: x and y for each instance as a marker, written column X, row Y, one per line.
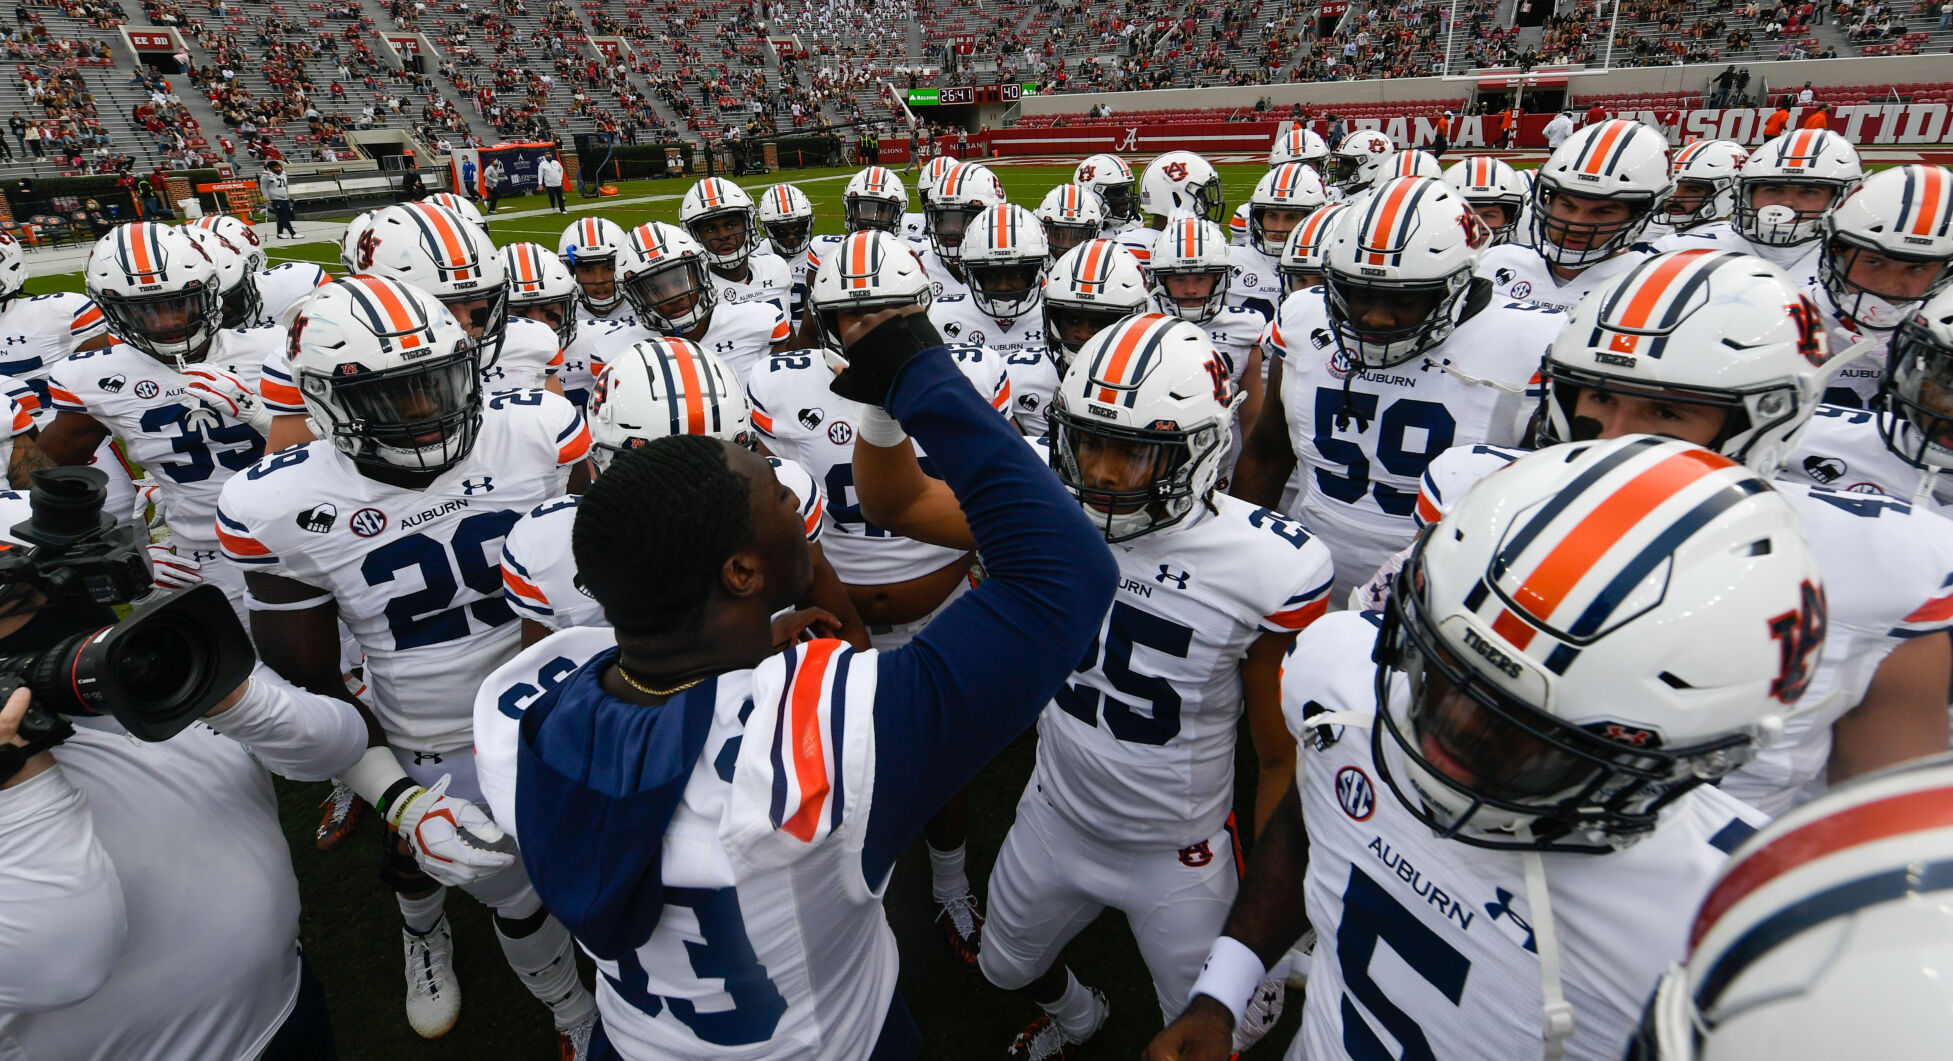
column 1556, row 1012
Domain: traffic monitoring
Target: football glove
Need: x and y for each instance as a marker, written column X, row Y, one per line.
column 450, row 836
column 172, row 571
column 226, row 394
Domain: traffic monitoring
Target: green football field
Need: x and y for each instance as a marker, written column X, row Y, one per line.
column 351, row 925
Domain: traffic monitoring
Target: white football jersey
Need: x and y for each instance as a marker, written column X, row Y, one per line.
column 767, row 280
column 1428, row 943
column 742, row 334
column 622, row 313
column 1855, row 383
column 38, row 331
column 800, row 277
column 583, row 359
column 1139, row 241
column 771, row 938
column 1020, row 341
column 1235, row 332
column 282, row 285
column 539, row 576
column 801, row 419
column 1799, row 260
column 530, row 355
column 1254, row 282
column 1844, row 450
column 189, row 448
column 943, row 280
column 1138, row 745
column 1519, row 274
column 1888, row 577
column 1364, row 437
column 414, row 572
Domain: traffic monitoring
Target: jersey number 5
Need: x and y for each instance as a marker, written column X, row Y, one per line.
column 1371, row 916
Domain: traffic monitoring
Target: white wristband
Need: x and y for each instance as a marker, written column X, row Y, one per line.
column 376, row 773
column 877, row 428
column 1230, row 976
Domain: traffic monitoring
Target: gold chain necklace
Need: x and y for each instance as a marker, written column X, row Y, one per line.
column 651, row 690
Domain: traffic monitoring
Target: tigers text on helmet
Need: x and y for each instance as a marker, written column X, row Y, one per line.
column 1299, row 145
column 159, row 289
column 722, row 218
column 875, row 198
column 1186, row 251
column 1397, row 267
column 1705, row 170
column 388, row 376
column 786, row 215
column 1916, row 394
column 1141, row 422
column 869, row 271
column 1090, row 287
column 1004, row 259
column 235, row 279
column 1357, row 163
column 1615, row 161
column 590, row 248
column 1286, row 194
column 1070, row 214
column 1301, row 263
column 1588, row 634
column 1703, row 327
column 1112, row 179
column 541, row 288
column 665, row 386
column 1182, row 184
column 963, row 192
column 1486, row 183
column 1806, row 158
column 662, row 273
column 1896, row 232
column 1824, row 936
column 435, row 250
column 235, row 229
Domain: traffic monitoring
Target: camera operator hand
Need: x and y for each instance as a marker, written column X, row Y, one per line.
column 10, row 716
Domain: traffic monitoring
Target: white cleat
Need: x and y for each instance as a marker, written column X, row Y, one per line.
column 433, row 994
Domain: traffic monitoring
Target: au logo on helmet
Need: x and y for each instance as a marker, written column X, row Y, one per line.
column 1175, row 171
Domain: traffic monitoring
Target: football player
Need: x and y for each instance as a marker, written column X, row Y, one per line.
column 1705, row 188
column 1112, row 179
column 1719, row 349
column 392, row 523
column 1071, row 214
column 1784, row 191
column 1192, row 274
column 1571, row 658
column 465, row 209
column 1412, row 163
column 874, row 199
column 590, row 247
column 914, row 225
column 1283, row 198
column 1091, row 287
column 39, row 331
column 1174, row 185
column 898, row 585
column 722, row 218
column 1299, row 144
column 1005, row 258
column 653, row 388
column 541, row 289
column 1400, row 355
column 786, row 216
column 1886, row 250
column 773, row 832
column 1356, row 166
column 1590, row 204
column 666, row 278
column 277, row 286
column 948, row 209
column 1494, row 190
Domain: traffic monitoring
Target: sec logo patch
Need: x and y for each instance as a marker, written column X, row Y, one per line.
column 367, row 522
column 147, row 389
column 1522, row 289
column 840, row 433
column 1355, row 793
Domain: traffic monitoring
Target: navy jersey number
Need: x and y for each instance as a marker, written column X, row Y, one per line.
column 1126, row 627
column 429, row 615
column 1394, row 450
column 1372, row 916
column 724, row 953
column 201, row 449
column 845, row 508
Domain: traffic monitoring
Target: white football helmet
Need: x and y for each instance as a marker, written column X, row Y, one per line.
column 159, row 290
column 382, row 366
column 1617, row 160
column 1153, row 388
column 869, row 271
column 1004, row 259
column 1357, row 163
column 541, row 288
column 1487, row 182
column 1593, row 631
column 1826, row 935
column 1299, row 145
column 590, row 248
column 465, row 209
column 1916, row 393
column 787, row 217
column 665, row 386
column 1190, row 247
column 662, row 272
column 13, row 267
column 1412, row 164
column 1301, row 264
column 1090, row 286
column 931, row 174
column 1706, row 172
column 241, row 234
column 1071, row 214
column 956, row 200
column 1112, row 179
column 1411, row 246
column 431, row 248
column 875, row 198
column 235, row 279
column 1700, row 326
column 1181, row 184
column 1286, row 194
column 1902, row 217
column 704, row 213
column 349, row 241
column 1813, row 157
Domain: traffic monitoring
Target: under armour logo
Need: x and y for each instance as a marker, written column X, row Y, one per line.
column 724, row 348
column 1636, row 737
column 1166, row 574
column 12, row 339
column 483, row 485
column 1503, row 909
column 427, row 757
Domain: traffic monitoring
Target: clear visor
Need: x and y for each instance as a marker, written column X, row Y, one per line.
column 1064, row 235
column 791, row 236
column 669, row 291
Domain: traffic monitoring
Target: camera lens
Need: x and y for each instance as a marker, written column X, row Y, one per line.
column 157, row 663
